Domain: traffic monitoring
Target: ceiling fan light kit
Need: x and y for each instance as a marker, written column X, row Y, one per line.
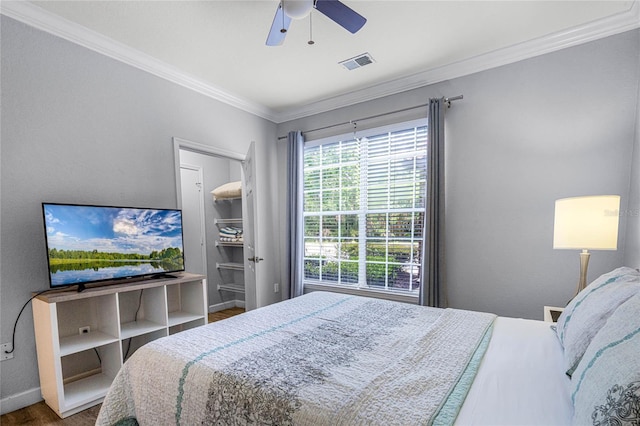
column 298, row 9
column 335, row 10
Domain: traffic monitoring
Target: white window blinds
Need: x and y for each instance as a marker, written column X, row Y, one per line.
column 364, row 205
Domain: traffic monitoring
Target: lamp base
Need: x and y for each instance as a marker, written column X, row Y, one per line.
column 584, row 264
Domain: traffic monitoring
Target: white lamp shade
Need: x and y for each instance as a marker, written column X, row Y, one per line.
column 587, row 223
column 298, row 9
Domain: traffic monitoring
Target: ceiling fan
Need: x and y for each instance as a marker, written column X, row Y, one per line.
column 335, row 10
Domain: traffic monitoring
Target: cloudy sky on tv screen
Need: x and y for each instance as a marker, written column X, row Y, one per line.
column 88, row 243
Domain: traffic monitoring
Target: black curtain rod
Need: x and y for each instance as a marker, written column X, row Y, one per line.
column 447, row 100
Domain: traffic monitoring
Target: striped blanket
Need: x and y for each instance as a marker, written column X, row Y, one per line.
column 319, row 359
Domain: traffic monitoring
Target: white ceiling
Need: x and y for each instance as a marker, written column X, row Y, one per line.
column 219, row 46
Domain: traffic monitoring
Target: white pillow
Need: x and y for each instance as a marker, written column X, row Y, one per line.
column 605, row 387
column 589, row 310
column 228, row 190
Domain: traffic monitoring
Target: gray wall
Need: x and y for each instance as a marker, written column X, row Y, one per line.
column 82, row 128
column 632, row 213
column 558, row 125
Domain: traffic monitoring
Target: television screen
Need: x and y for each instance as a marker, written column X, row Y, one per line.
column 87, row 244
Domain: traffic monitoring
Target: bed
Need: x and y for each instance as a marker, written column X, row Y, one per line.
column 333, row 359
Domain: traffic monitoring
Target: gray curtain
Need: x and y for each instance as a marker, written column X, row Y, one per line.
column 295, row 220
column 433, row 290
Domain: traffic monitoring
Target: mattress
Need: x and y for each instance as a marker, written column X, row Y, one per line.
column 521, row 379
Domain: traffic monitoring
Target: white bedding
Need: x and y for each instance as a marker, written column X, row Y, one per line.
column 319, row 359
column 521, row 379
column 208, row 373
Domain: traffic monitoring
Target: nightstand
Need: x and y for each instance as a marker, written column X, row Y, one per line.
column 552, row 313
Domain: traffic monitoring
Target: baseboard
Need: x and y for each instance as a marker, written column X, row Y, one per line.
column 20, row 400
column 226, row 305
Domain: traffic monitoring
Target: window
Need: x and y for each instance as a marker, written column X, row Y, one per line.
column 364, row 209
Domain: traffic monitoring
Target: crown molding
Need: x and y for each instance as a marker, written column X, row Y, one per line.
column 41, row 19
column 611, row 25
column 44, row 20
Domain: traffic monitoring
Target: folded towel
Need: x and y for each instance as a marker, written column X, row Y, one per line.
column 230, row 231
column 231, row 239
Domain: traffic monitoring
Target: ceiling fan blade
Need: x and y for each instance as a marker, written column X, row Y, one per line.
column 342, row 14
column 280, row 21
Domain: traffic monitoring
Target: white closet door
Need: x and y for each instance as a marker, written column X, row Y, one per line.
column 193, row 219
column 251, row 261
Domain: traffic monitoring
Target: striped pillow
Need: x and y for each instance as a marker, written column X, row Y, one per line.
column 589, row 310
column 605, row 388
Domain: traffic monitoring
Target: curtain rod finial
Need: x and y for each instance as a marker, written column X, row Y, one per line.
column 454, row 98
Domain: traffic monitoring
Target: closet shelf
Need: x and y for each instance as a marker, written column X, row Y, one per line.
column 230, row 265
column 229, row 243
column 229, row 238
column 236, row 288
column 230, row 221
column 220, row 200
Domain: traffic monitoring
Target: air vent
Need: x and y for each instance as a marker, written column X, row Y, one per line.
column 357, row 62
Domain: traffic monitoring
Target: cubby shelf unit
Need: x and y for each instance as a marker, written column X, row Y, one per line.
column 76, row 368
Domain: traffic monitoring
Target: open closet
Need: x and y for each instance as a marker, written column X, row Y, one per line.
column 213, row 225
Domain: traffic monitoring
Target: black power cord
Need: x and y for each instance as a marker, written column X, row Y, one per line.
column 15, row 325
column 135, row 318
column 98, row 355
column 13, row 337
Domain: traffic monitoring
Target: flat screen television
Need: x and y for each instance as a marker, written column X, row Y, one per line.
column 96, row 244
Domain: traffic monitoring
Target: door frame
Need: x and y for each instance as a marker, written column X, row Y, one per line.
column 198, row 148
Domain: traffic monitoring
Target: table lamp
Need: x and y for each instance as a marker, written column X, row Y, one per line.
column 586, row 223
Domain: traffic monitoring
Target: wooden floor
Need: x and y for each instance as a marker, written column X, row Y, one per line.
column 220, row 315
column 40, row 414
